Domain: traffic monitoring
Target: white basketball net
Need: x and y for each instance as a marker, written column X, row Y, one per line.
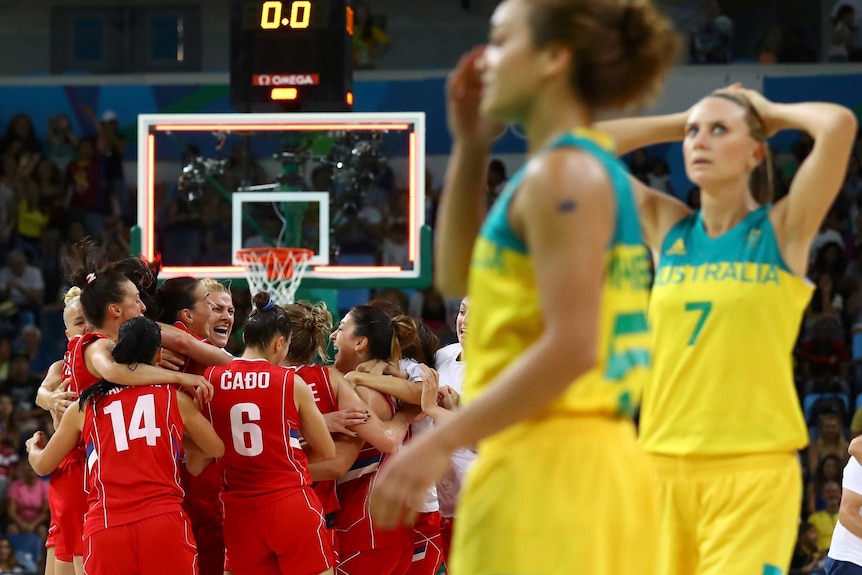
column 277, row 273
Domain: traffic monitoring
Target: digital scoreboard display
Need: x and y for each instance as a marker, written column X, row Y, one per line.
column 291, row 56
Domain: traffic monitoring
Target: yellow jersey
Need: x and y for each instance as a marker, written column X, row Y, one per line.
column 725, row 313
column 506, row 317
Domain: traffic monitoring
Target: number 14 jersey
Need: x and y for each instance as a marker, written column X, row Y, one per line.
column 132, row 438
column 254, row 412
column 724, row 313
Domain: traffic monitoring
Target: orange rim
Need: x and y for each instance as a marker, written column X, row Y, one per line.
column 275, row 259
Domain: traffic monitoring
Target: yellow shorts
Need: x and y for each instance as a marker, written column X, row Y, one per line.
column 564, row 495
column 722, row 515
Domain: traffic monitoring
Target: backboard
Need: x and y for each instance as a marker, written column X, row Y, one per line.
column 348, row 186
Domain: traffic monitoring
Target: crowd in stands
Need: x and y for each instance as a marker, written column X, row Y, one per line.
column 712, row 38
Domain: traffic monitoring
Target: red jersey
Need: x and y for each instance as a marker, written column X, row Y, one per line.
column 190, row 365
column 317, row 378
column 81, row 376
column 132, row 439
column 254, row 413
column 355, row 526
column 67, row 363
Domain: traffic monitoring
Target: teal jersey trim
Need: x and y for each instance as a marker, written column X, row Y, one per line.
column 627, row 229
column 750, row 241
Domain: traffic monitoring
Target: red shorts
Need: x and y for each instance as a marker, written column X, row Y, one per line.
column 427, row 546
column 287, row 536
column 204, row 509
column 144, row 547
column 388, row 561
column 68, row 504
column 356, row 530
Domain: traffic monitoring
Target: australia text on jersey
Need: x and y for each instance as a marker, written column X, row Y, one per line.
column 744, row 272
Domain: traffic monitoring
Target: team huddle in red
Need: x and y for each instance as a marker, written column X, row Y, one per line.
column 217, row 463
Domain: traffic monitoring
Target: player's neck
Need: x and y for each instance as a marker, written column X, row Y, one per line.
column 551, row 119
column 254, row 353
column 721, row 210
column 112, row 332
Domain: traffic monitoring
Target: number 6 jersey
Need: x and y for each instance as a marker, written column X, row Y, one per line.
column 254, row 412
column 132, row 438
column 725, row 313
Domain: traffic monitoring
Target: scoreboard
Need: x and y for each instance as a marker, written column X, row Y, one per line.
column 292, row 56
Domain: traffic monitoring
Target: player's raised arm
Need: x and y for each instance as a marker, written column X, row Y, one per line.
column 462, row 204
column 45, row 458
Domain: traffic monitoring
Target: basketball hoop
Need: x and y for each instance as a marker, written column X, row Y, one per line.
column 277, row 271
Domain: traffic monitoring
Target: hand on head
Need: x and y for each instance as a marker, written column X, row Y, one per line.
column 464, row 94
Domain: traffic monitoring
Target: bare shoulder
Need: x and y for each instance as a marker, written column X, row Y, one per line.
column 567, row 171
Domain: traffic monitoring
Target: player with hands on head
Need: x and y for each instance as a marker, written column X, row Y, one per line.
column 729, row 295
column 558, row 281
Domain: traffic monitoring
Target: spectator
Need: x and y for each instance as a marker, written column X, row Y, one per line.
column 843, row 27
column 395, row 251
column 49, row 186
column 658, row 177
column 831, row 260
column 358, row 228
column 28, row 503
column 829, row 469
column 31, row 222
column 807, row 558
column 23, row 285
column 830, row 441
column 60, row 142
column 84, row 197
column 824, row 358
column 825, row 307
column 370, row 42
column 639, row 166
column 5, row 357
column 52, row 269
column 21, row 384
column 437, row 312
column 830, row 232
column 10, row 564
column 824, row 521
column 111, row 146
column 10, row 428
column 10, row 184
column 711, row 41
column 392, row 295
column 20, row 137
column 30, row 342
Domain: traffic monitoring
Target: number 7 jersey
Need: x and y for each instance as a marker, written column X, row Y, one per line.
column 725, row 313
